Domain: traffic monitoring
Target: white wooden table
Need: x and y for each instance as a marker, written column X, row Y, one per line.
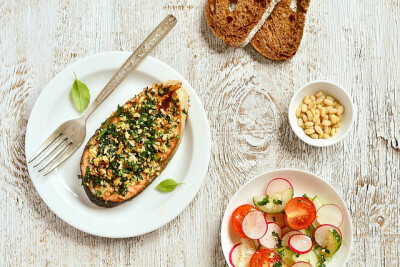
column 354, row 43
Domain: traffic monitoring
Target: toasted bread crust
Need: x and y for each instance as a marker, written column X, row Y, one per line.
column 238, row 27
column 280, row 36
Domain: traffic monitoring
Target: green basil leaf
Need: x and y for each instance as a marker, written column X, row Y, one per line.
column 80, row 95
column 167, row 185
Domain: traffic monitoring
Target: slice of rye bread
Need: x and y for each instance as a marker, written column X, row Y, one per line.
column 280, row 36
column 237, row 28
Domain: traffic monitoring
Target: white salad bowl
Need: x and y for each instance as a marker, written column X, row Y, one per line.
column 333, row 90
column 303, row 182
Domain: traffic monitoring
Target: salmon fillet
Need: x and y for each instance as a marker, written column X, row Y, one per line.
column 134, row 145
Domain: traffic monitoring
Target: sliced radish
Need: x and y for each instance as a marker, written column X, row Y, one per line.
column 286, row 229
column 254, row 225
column 300, row 243
column 234, row 255
column 322, row 231
column 270, row 240
column 278, row 185
column 247, row 250
column 285, row 237
column 277, row 218
column 301, row 264
column 331, row 214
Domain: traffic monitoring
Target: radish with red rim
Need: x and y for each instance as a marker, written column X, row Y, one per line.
column 254, row 225
column 278, row 185
column 272, row 236
column 301, row 264
column 330, row 214
column 234, row 255
column 322, row 231
column 285, row 237
column 300, row 243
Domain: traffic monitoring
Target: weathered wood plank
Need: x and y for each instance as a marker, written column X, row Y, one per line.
column 354, row 43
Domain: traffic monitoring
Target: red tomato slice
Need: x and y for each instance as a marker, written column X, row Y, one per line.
column 264, row 258
column 300, row 213
column 238, row 216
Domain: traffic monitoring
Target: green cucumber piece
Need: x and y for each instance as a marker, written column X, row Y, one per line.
column 318, row 204
column 310, row 257
column 332, row 243
column 275, row 203
column 308, row 231
column 286, row 254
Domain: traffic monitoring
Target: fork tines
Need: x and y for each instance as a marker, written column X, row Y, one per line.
column 52, row 150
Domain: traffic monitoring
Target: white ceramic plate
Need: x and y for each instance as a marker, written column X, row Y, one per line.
column 61, row 190
column 303, row 183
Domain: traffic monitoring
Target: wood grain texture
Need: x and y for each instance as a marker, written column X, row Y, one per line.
column 352, row 42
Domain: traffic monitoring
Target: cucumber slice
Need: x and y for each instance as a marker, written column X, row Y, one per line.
column 286, row 255
column 317, row 250
column 332, row 243
column 311, row 230
column 274, row 203
column 318, row 204
column 308, row 231
column 310, row 257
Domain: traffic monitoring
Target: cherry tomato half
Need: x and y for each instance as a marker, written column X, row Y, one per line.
column 238, row 216
column 300, row 213
column 264, row 258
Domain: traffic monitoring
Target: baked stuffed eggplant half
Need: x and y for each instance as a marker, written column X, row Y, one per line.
column 135, row 144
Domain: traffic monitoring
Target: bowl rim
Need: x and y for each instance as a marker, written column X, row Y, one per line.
column 326, row 142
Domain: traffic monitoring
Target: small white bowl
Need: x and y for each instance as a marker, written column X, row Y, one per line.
column 336, row 92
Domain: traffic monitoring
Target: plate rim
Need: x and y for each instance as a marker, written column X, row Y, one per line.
column 346, row 211
column 206, row 143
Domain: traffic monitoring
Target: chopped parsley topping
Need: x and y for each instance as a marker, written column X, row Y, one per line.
column 325, row 250
column 280, row 254
column 277, row 202
column 133, row 142
column 264, row 202
column 276, row 235
column 102, row 132
column 322, row 261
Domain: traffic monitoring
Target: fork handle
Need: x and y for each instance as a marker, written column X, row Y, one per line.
column 155, row 37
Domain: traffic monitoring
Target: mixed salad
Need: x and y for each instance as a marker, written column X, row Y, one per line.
column 281, row 230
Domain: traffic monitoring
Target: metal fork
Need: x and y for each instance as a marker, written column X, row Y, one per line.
column 69, row 136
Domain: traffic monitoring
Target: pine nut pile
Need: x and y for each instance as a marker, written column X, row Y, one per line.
column 319, row 115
